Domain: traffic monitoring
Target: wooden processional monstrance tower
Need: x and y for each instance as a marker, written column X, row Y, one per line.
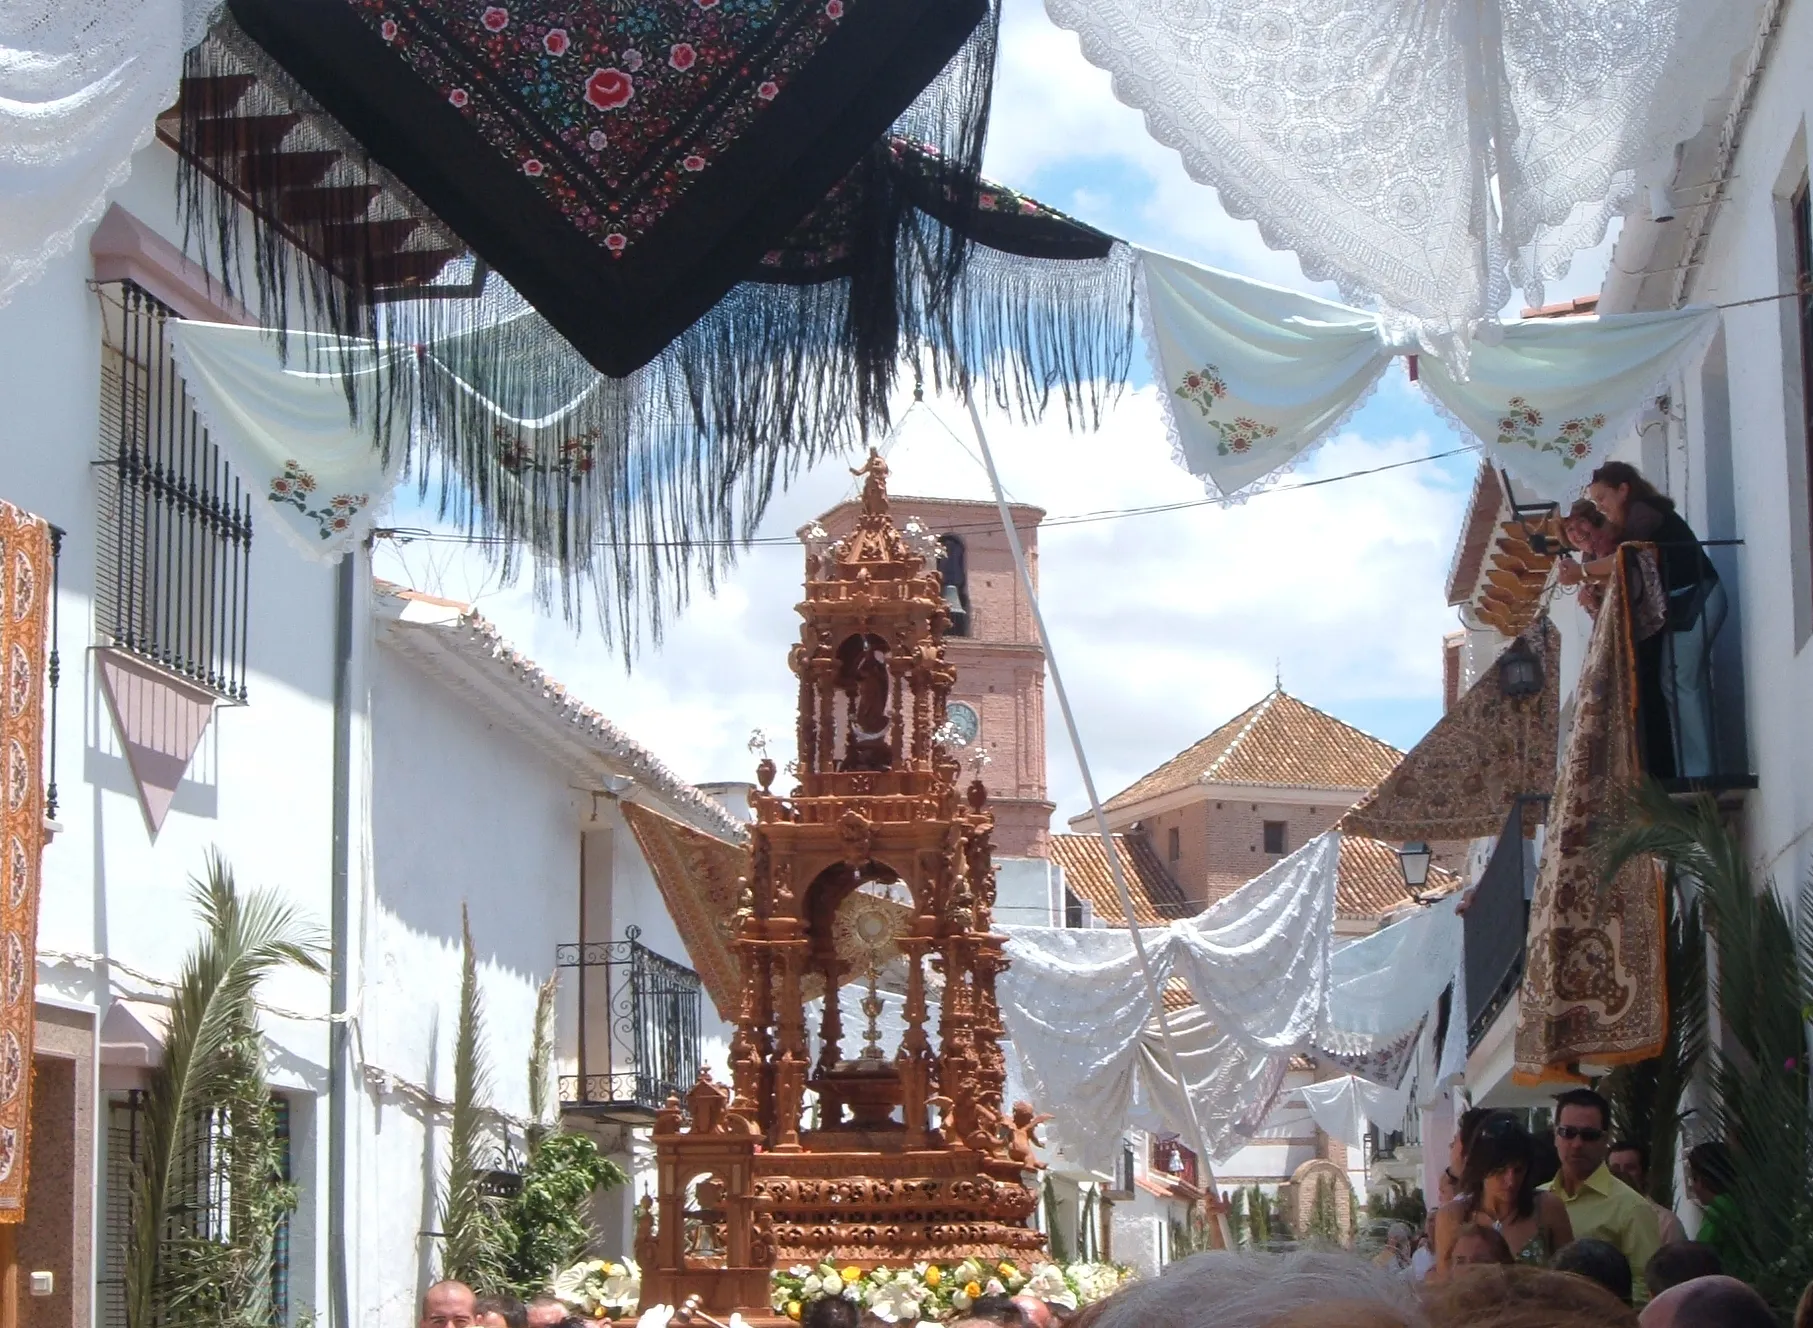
column 873, row 874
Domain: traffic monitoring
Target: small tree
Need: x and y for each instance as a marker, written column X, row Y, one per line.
column 1324, row 1226
column 209, row 1124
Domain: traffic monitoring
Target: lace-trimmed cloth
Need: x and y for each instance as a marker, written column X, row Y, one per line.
column 1366, row 136
column 1253, row 376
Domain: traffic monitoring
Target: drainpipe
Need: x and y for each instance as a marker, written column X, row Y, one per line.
column 346, row 596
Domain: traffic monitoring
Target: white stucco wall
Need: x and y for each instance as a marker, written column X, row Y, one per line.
column 260, row 787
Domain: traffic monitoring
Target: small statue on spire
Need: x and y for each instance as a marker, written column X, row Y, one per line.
column 874, row 485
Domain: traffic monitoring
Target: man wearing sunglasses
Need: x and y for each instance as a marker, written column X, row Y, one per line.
column 1599, row 1205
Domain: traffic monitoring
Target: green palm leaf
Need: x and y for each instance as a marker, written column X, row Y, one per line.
column 471, row 1243
column 213, row 1059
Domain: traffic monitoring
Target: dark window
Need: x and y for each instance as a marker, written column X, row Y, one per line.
column 953, row 570
column 206, row 1206
column 1173, row 844
column 175, row 532
column 1073, row 910
column 1274, row 836
column 1803, row 282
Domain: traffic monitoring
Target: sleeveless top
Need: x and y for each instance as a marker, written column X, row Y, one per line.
column 1535, row 1250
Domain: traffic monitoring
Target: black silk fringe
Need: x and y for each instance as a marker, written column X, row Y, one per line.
column 647, row 486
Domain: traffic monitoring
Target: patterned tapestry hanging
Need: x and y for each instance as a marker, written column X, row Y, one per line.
column 25, row 592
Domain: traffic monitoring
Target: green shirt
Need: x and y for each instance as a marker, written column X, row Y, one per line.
column 1607, row 1209
column 1715, row 1226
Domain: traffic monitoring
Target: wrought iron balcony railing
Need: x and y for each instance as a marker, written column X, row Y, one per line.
column 637, row 1029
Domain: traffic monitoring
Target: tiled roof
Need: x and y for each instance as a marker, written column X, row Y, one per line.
column 1574, row 308
column 1371, row 880
column 1279, row 741
column 1483, row 508
column 1157, row 898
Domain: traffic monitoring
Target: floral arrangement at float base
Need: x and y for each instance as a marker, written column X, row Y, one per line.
column 600, row 1288
column 926, row 1292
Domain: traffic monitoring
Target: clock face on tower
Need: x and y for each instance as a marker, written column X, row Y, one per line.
column 966, row 724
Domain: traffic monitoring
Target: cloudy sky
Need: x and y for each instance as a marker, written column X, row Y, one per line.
column 1164, row 625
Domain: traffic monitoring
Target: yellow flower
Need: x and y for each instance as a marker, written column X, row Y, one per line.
column 933, row 1276
column 972, row 1289
column 852, row 1274
column 793, row 1308
column 1006, row 1269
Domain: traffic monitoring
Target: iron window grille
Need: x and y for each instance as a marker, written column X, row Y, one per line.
column 638, row 1029
column 175, row 534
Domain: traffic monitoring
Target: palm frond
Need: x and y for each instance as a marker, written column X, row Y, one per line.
column 470, row 1242
column 541, row 1061
column 212, row 1058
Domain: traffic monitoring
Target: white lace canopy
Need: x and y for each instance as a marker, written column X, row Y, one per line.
column 1379, row 138
column 81, row 83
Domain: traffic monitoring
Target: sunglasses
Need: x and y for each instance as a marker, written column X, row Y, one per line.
column 1584, row 1133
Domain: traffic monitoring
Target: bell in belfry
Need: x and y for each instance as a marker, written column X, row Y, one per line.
column 953, row 601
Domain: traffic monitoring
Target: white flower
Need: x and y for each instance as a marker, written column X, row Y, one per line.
column 656, row 1316
column 896, row 1302
column 736, row 1321
column 833, row 1283
column 1047, row 1282
column 814, row 1285
column 800, row 1270
column 880, row 1275
column 621, row 1286
column 994, row 1288
column 959, row 1301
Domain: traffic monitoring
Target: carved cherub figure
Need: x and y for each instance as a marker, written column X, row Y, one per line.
column 1023, row 1135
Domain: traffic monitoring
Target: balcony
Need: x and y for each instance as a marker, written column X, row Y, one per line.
column 636, row 1029
column 1170, row 1160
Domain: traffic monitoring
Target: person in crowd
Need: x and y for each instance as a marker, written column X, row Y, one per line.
column 546, row 1312
column 1224, row 1290
column 1464, row 1130
column 1681, row 1262
column 1422, row 1262
column 449, row 1305
column 1673, row 666
column 1803, row 1312
column 1599, row 1262
column 830, row 1312
column 1709, row 1177
column 1034, row 1313
column 1002, row 1310
column 1498, row 1193
column 1477, row 1247
column 500, row 1312
column 1629, row 1162
column 1520, row 1296
column 1709, row 1302
column 1599, row 1205
column 1589, row 534
column 1394, row 1256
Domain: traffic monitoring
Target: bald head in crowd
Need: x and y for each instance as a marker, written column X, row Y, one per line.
column 1708, row 1302
column 546, row 1312
column 448, row 1305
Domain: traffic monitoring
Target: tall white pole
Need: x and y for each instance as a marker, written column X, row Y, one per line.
column 1206, row 1173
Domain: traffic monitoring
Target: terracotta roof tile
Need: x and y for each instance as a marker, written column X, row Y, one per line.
column 1371, row 881
column 1157, row 898
column 1579, row 305
column 1279, row 741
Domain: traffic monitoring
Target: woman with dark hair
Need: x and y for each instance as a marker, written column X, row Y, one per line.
column 1674, row 667
column 1498, row 1191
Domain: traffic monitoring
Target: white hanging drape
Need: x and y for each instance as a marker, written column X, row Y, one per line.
column 1383, row 985
column 286, row 430
column 1378, row 140
column 81, row 85
column 1252, row 377
column 1233, row 1086
column 1075, row 1005
column 1343, row 1106
column 1080, row 1015
column 1257, row 961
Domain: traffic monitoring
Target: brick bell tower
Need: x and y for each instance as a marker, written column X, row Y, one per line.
column 997, row 704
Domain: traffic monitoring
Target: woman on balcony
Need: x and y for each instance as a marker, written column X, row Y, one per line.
column 1498, row 1191
column 1674, row 666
